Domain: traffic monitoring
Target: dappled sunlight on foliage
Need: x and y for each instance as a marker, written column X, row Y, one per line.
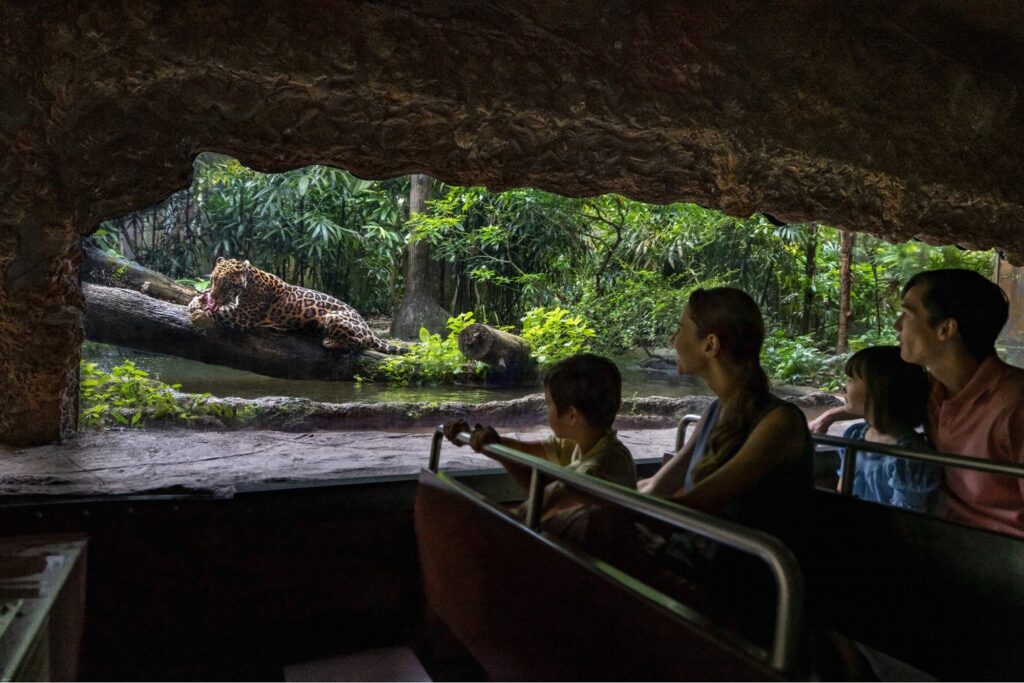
column 621, row 267
column 556, row 334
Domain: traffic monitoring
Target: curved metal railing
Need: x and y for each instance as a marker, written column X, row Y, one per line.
column 855, row 446
column 780, row 560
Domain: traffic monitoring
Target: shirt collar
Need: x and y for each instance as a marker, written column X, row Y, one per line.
column 578, row 454
column 980, row 383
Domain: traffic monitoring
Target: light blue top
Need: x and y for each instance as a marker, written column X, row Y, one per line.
column 899, row 482
column 710, row 422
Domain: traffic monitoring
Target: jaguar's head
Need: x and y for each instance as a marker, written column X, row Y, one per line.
column 227, row 281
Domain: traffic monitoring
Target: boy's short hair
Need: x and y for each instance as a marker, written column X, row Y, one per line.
column 978, row 305
column 897, row 391
column 590, row 383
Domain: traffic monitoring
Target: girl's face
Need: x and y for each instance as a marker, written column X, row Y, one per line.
column 856, row 395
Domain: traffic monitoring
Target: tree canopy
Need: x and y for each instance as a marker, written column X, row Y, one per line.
column 624, row 266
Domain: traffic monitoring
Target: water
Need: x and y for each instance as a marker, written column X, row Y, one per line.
column 196, row 377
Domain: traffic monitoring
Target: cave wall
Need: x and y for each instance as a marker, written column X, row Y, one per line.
column 903, row 120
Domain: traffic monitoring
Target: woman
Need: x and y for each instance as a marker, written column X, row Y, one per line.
column 750, row 457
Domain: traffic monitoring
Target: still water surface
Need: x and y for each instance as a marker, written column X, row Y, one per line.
column 196, row 377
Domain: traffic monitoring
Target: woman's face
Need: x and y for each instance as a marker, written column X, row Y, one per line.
column 856, row 395
column 688, row 344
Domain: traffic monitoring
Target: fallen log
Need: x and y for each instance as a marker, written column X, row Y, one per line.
column 103, row 269
column 128, row 318
column 507, row 355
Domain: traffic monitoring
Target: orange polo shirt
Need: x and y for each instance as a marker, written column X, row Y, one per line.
column 985, row 420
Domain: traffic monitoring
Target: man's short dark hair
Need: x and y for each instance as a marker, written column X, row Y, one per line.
column 590, row 383
column 978, row 305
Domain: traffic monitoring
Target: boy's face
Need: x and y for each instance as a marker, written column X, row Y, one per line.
column 559, row 424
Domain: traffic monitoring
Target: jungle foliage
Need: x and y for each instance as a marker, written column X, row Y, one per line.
column 128, row 397
column 622, row 268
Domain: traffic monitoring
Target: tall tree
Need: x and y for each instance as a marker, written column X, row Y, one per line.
column 845, row 286
column 418, row 308
column 810, row 269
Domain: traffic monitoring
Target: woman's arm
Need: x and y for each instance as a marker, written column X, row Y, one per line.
column 672, row 474
column 779, row 438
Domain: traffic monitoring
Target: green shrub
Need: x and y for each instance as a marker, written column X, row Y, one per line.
column 129, row 397
column 797, row 361
column 434, row 360
column 197, row 283
column 887, row 337
column 555, row 334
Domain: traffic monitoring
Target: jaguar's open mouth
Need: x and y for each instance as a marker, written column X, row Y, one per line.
column 209, row 303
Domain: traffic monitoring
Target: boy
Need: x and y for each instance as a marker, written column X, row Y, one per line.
column 583, row 394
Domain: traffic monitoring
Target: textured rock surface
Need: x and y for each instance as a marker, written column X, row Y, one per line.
column 119, row 463
column 899, row 119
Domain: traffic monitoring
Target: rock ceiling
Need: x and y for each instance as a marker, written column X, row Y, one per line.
column 901, row 119
column 904, row 120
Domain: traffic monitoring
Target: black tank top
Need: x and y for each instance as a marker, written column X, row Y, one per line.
column 778, row 503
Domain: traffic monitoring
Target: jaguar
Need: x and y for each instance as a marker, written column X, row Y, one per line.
column 242, row 297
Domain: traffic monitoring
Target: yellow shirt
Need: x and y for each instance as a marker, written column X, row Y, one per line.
column 609, row 459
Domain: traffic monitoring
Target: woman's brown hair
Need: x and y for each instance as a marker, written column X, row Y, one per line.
column 734, row 318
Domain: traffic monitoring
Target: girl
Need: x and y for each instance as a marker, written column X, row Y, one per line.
column 891, row 395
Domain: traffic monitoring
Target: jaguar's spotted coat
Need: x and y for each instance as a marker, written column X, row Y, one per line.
column 242, row 297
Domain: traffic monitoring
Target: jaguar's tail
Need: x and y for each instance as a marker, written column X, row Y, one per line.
column 384, row 347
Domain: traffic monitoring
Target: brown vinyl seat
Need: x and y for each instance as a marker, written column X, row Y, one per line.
column 530, row 608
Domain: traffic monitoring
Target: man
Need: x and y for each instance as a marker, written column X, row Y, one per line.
column 949, row 323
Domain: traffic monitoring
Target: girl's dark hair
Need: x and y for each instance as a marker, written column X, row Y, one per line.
column 590, row 383
column 896, row 396
column 734, row 318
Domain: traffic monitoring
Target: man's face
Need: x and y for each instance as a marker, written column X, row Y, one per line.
column 918, row 339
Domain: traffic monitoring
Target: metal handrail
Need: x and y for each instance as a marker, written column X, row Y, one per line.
column 684, row 422
column 855, row 446
column 780, row 560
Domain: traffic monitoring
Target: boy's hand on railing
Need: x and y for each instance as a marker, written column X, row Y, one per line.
column 452, row 430
column 482, row 436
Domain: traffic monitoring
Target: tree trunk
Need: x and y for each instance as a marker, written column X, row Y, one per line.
column 128, row 318
column 102, row 269
column 845, row 286
column 418, row 308
column 507, row 354
column 810, row 268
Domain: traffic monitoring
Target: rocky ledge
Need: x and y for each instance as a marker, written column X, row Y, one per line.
column 304, row 415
